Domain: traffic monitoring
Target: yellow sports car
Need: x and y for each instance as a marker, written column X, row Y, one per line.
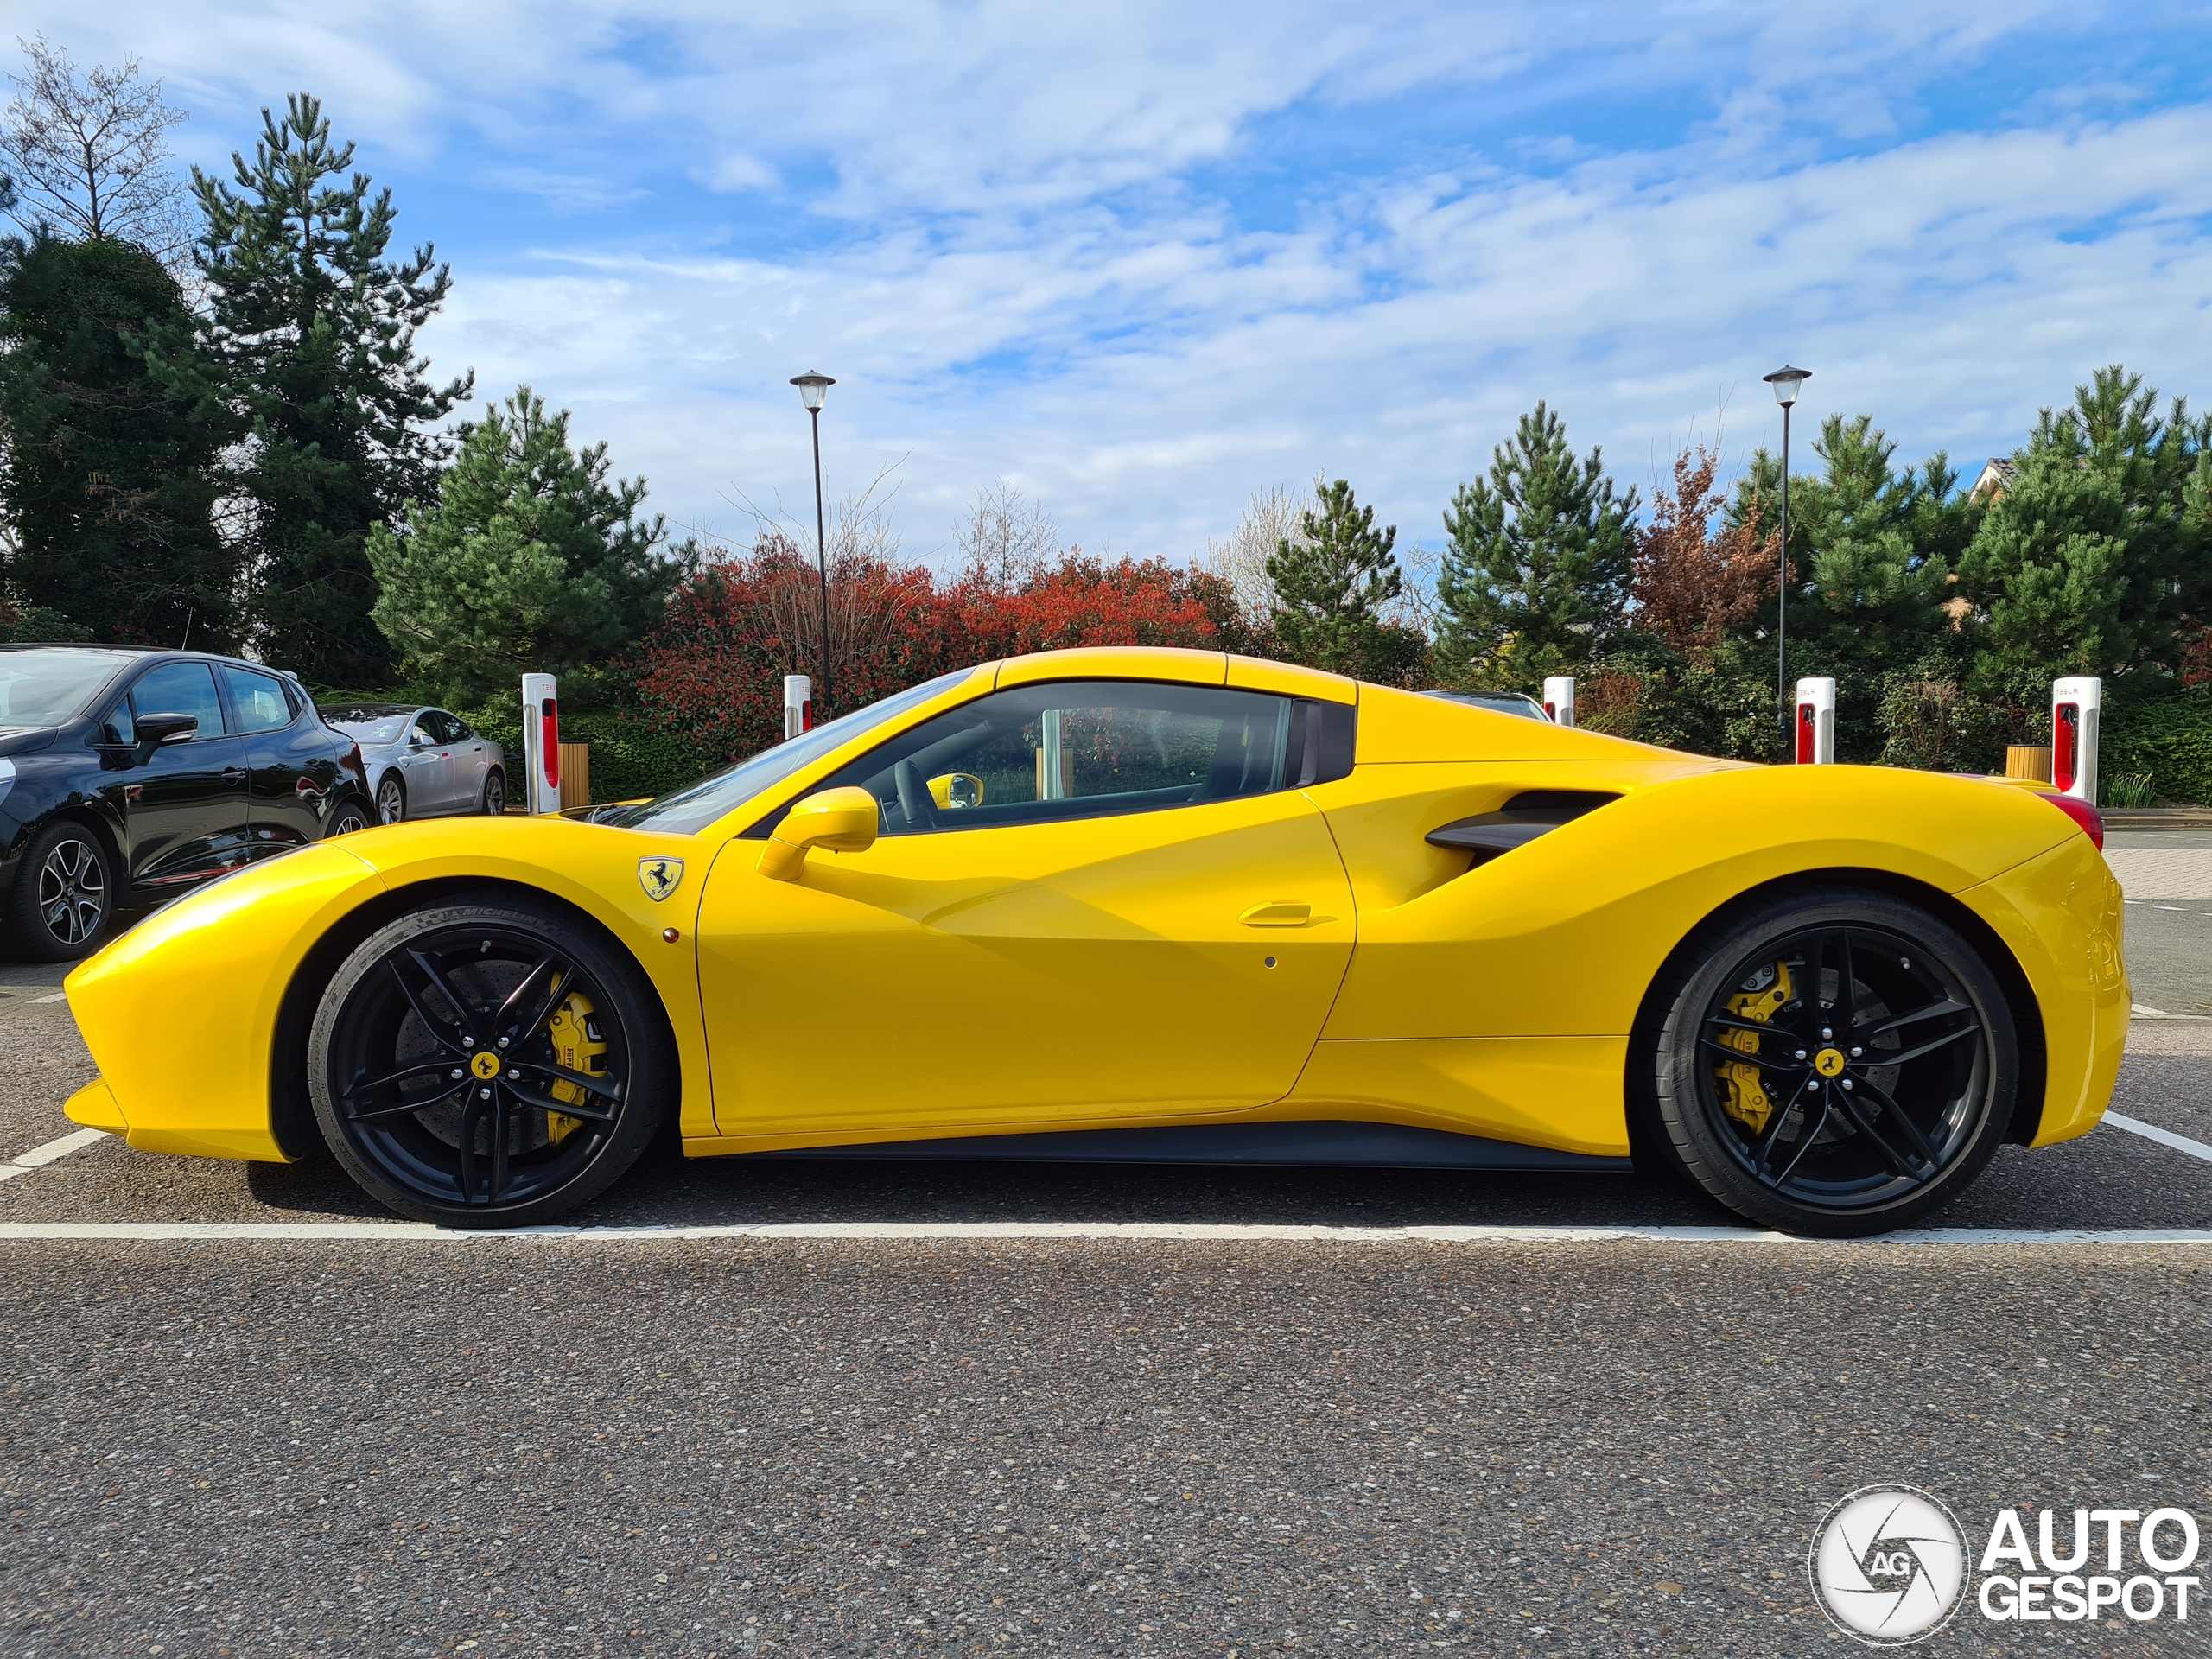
column 1154, row 906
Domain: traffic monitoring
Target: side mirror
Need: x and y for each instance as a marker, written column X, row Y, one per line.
column 836, row 820
column 418, row 739
column 954, row 790
column 156, row 730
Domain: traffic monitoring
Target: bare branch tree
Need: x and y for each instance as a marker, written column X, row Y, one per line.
column 87, row 153
column 1271, row 518
column 1007, row 536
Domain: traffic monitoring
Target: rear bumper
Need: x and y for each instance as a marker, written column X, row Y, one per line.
column 2060, row 914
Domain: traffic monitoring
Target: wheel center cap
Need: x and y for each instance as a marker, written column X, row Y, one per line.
column 486, row 1065
column 1828, row 1061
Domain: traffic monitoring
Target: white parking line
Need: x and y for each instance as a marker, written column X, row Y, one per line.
column 2164, row 1137
column 56, row 997
column 39, row 1157
column 401, row 1232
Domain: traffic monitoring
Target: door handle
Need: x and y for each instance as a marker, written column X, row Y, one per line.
column 1277, row 915
column 234, row 776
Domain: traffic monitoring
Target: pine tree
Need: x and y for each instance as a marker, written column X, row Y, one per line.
column 1537, row 568
column 529, row 560
column 2093, row 560
column 107, row 475
column 1876, row 589
column 310, row 343
column 1330, row 588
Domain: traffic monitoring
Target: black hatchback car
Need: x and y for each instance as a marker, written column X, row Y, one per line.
column 128, row 775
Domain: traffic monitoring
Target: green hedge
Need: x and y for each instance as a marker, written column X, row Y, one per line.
column 2167, row 737
column 627, row 759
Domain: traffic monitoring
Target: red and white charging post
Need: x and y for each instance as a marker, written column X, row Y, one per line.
column 798, row 704
column 541, row 744
column 1816, row 722
column 1559, row 699
column 2075, row 704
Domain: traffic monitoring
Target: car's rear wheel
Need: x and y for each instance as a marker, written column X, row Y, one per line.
column 488, row 1064
column 1833, row 1063
column 392, row 801
column 64, row 897
column 350, row 818
column 494, row 799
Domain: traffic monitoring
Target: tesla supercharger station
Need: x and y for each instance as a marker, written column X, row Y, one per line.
column 1816, row 722
column 1559, row 699
column 541, row 744
column 798, row 704
column 2074, row 704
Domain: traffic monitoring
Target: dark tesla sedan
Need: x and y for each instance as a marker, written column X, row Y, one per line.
column 129, row 775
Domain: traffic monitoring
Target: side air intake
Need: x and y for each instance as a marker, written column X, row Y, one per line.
column 1531, row 813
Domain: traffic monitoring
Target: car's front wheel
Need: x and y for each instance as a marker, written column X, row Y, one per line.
column 64, row 897
column 488, row 1063
column 392, row 801
column 1835, row 1063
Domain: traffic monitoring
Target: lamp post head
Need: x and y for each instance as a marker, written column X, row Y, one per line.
column 1785, row 381
column 812, row 389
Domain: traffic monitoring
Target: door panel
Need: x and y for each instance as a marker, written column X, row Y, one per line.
column 290, row 764
column 428, row 768
column 185, row 810
column 1032, row 973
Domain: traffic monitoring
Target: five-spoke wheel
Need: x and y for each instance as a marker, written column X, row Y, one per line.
column 64, row 895
column 488, row 1064
column 1835, row 1063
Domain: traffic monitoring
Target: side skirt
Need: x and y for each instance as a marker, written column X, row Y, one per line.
column 1388, row 1145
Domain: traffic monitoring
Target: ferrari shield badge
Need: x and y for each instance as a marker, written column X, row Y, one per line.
column 659, row 876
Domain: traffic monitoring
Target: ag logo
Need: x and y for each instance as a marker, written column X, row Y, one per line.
column 659, row 876
column 1888, row 1565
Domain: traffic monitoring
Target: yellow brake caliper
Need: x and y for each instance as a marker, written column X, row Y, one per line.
column 1743, row 1089
column 576, row 1048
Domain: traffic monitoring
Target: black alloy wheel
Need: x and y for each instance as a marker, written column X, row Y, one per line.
column 64, row 897
column 494, row 801
column 1837, row 1063
column 350, row 818
column 392, row 801
column 488, row 1064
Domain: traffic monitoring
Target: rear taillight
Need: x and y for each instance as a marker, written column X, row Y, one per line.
column 2085, row 817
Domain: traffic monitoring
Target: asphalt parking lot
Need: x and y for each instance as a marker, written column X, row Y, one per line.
column 986, row 1408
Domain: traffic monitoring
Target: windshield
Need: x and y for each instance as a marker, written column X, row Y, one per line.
column 366, row 726
column 694, row 809
column 44, row 688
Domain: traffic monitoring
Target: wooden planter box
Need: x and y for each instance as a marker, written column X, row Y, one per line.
column 575, row 774
column 2021, row 761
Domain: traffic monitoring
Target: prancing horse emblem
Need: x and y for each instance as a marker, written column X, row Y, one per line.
column 659, row 876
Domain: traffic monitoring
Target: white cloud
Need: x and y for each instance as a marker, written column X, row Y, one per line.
column 1017, row 276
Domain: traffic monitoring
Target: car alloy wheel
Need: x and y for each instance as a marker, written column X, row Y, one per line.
column 1838, row 1067
column 486, row 1065
column 348, row 819
column 392, row 802
column 72, row 891
column 495, row 795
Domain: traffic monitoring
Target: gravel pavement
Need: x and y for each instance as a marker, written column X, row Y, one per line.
column 1095, row 1445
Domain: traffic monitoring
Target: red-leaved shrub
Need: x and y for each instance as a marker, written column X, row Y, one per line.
column 714, row 671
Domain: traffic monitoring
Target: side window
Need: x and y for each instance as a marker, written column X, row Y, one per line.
column 422, row 733
column 180, row 689
column 1081, row 749
column 259, row 700
column 116, row 725
column 445, row 727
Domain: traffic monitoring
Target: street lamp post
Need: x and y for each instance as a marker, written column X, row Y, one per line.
column 1785, row 381
column 812, row 389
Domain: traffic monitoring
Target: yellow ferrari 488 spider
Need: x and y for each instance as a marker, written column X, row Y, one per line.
column 1155, row 905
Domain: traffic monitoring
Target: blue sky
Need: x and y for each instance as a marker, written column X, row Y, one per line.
column 1143, row 260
